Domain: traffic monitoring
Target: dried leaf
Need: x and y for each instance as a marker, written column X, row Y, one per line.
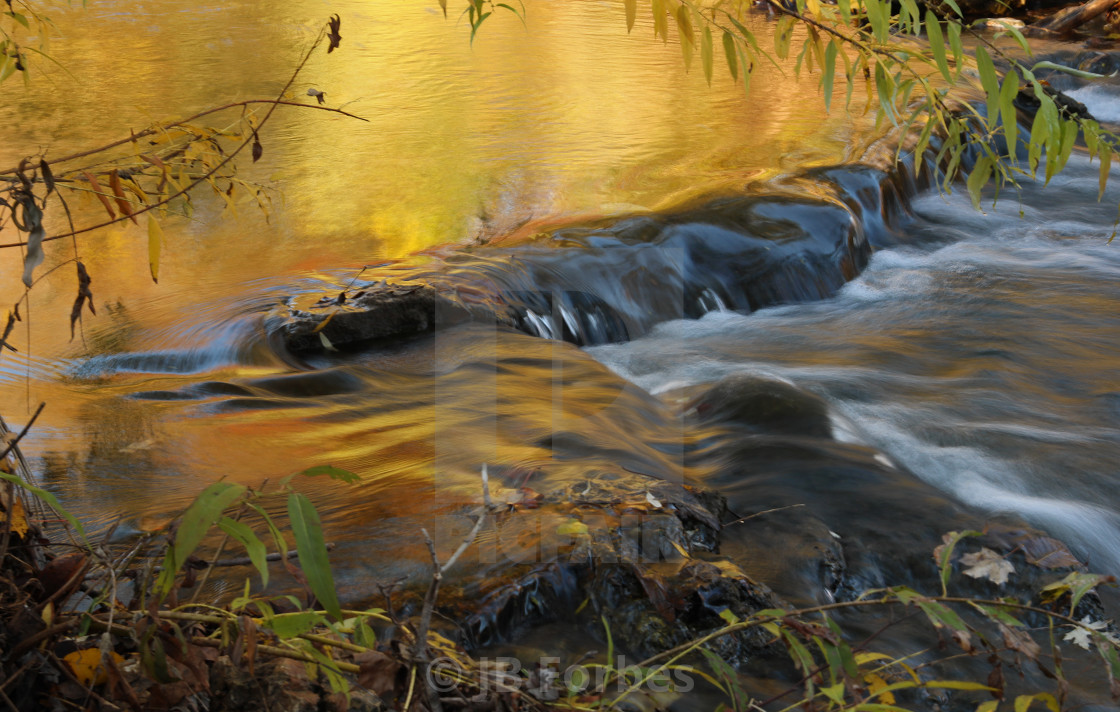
column 48, row 176
column 87, row 667
column 85, row 296
column 988, row 564
column 654, row 502
column 59, row 571
column 996, row 682
column 258, row 149
column 1048, row 553
column 100, row 193
column 19, row 525
column 377, row 672
column 249, row 626
column 33, row 223
column 1020, row 642
column 1082, row 634
column 335, row 22
column 155, row 240
column 318, row 95
column 118, row 192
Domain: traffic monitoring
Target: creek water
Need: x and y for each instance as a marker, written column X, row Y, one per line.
column 977, row 353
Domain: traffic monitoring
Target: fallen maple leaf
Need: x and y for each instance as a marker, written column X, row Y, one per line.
column 1082, row 634
column 988, row 564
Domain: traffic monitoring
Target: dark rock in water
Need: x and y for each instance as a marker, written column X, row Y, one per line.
column 766, row 406
column 382, row 311
column 642, row 552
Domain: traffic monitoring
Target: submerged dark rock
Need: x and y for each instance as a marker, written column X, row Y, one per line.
column 765, row 405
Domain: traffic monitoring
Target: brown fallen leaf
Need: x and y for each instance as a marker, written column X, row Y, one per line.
column 377, row 672
column 1049, row 553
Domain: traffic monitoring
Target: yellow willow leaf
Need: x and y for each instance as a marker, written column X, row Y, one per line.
column 684, row 30
column 1106, row 166
column 706, row 53
column 937, row 44
column 729, row 53
column 155, row 237
column 660, row 24
column 782, row 36
column 631, row 13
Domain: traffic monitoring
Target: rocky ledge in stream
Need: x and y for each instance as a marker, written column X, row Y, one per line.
column 613, row 281
column 784, row 516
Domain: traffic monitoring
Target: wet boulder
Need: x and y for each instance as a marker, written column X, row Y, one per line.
column 764, row 405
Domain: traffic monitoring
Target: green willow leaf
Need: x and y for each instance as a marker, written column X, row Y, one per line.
column 937, row 44
column 50, row 500
column 878, row 14
column 254, row 547
column 1091, row 131
column 884, row 86
column 312, row 550
column 909, row 19
column 1019, row 39
column 1007, row 94
column 1069, row 138
column 289, row 625
column 829, row 73
column 990, row 81
column 202, row 514
column 684, row 32
column 706, row 53
column 335, row 473
column 923, row 144
column 977, row 179
column 731, row 55
column 746, row 70
column 957, row 47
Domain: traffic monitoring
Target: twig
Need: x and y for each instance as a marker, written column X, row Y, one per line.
column 198, row 181
column 14, row 442
column 8, row 701
column 49, row 632
column 421, row 651
column 180, row 122
column 280, row 653
column 740, row 520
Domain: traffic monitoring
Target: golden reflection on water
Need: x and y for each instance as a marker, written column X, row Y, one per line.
column 567, row 116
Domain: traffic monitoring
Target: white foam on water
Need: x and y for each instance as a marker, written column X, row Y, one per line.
column 1102, row 101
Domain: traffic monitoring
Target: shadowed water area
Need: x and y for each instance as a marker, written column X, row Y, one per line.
column 893, row 364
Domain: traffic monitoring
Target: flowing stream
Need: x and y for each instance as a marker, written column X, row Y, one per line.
column 975, row 356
